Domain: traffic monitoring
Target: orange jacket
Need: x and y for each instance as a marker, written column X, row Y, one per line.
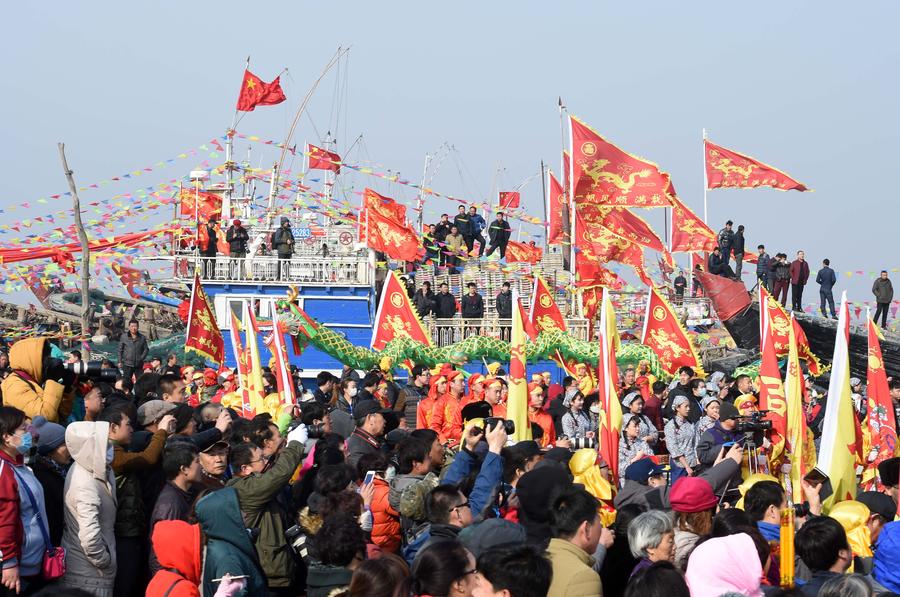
column 456, row 424
column 545, row 421
column 177, row 547
column 423, row 412
column 385, row 520
column 442, row 418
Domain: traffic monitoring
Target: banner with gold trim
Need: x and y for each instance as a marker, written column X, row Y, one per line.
column 880, row 422
column 664, row 333
column 203, row 335
column 396, row 318
column 726, row 168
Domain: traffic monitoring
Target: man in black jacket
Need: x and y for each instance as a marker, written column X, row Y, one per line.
column 283, row 244
column 499, row 233
column 726, row 240
column 237, row 238
column 472, row 303
column 737, row 249
column 441, row 230
column 504, row 302
column 826, row 279
column 718, row 264
column 445, row 303
column 133, row 351
column 464, row 226
column 424, row 300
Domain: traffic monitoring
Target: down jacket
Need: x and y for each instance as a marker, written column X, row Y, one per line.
column 27, row 391
column 385, row 519
column 177, row 548
column 89, row 538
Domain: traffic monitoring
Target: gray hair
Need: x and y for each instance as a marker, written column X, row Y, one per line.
column 647, row 531
column 847, row 585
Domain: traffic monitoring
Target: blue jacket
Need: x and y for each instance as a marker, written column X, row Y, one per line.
column 887, row 554
column 762, row 265
column 478, row 224
column 488, row 478
column 826, row 279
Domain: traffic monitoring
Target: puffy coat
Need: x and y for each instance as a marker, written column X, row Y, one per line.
column 237, row 239
column 283, row 240
column 89, row 538
column 385, row 520
column 27, row 390
column 21, row 538
column 573, row 573
column 228, row 546
column 132, row 351
column 257, row 498
column 177, row 548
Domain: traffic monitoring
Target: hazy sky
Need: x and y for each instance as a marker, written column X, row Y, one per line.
column 810, row 87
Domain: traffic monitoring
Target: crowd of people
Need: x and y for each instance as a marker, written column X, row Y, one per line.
column 154, row 483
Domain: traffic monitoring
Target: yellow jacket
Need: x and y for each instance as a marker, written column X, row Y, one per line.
column 35, row 397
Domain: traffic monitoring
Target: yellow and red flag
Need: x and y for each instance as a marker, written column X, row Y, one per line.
column 517, row 402
column 798, row 441
column 607, row 381
column 256, row 92
column 203, row 335
column 202, row 204
column 255, row 384
column 689, row 233
column 728, row 168
column 517, row 252
column 243, row 367
column 396, row 239
column 838, row 447
column 282, row 369
column 771, row 391
column 595, row 244
column 322, row 159
column 530, row 330
column 664, row 334
column 625, row 224
column 781, row 323
column 396, row 317
column 881, row 420
column 556, row 230
column 606, row 175
column 129, row 277
column 544, row 312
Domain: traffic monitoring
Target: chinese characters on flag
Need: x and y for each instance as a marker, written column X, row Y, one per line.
column 727, row 168
column 881, row 421
column 663, row 333
column 203, row 335
column 256, row 92
column 395, row 317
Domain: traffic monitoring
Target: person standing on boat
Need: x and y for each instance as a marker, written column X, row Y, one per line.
column 464, row 226
column 283, row 244
column 237, row 238
column 826, row 279
column 499, row 234
column 884, row 294
column 477, row 225
column 208, row 251
column 799, row 276
column 133, row 350
column 763, row 267
column 441, row 230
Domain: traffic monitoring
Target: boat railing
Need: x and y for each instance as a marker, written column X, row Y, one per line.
column 312, row 270
column 449, row 331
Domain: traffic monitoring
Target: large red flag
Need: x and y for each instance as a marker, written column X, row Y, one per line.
column 322, row 159
column 606, row 175
column 396, row 239
column 557, row 207
column 596, row 244
column 396, row 317
column 203, row 335
column 880, row 421
column 256, row 92
column 202, row 204
column 771, row 391
column 517, row 252
column 664, row 334
column 385, row 206
column 690, row 233
column 728, row 168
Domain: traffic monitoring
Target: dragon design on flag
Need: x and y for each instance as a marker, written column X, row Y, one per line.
column 598, row 175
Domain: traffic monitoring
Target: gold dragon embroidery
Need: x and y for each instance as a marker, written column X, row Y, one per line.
column 599, row 175
column 666, row 344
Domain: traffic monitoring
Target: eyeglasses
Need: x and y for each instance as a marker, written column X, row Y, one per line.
column 468, row 572
column 462, row 505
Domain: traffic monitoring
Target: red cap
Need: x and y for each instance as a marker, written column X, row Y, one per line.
column 692, row 494
column 237, row 222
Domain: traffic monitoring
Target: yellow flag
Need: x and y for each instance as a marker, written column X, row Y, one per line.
column 610, row 409
column 517, row 403
column 254, row 374
column 837, row 447
column 801, row 460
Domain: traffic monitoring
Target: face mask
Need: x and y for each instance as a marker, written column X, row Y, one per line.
column 109, row 455
column 25, row 446
column 353, row 392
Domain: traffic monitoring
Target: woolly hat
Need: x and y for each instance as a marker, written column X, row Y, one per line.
column 49, row 435
column 728, row 411
column 692, row 494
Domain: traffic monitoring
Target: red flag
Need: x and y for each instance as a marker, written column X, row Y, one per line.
column 322, row 159
column 130, row 277
column 727, row 168
column 663, row 333
column 771, row 390
column 881, row 421
column 509, row 199
column 395, row 317
column 397, row 239
column 530, row 330
column 256, row 92
column 606, row 175
column 523, row 253
column 780, row 322
column 203, row 335
column 595, row 244
column 544, row 311
column 385, row 206
column 625, row 224
column 557, row 200
column 200, row 203
column 690, row 233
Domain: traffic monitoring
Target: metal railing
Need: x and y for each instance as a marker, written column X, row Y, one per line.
column 306, row 269
column 449, row 331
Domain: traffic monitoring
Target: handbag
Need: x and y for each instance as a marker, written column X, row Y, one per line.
column 54, row 563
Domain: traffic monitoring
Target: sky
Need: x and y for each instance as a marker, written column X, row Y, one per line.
column 809, row 87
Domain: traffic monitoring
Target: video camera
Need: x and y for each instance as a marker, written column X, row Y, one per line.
column 753, row 422
column 92, row 370
column 491, row 422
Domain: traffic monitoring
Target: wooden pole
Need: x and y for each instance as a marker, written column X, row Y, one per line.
column 85, row 247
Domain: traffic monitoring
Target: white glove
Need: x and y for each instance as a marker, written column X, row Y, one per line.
column 299, row 434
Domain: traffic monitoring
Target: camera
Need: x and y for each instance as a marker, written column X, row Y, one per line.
column 297, row 540
column 315, row 430
column 491, row 422
column 753, row 422
column 92, row 370
column 801, row 510
column 577, row 443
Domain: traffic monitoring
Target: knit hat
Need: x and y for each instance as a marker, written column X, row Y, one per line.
column 629, row 398
column 49, row 435
column 692, row 494
column 728, row 411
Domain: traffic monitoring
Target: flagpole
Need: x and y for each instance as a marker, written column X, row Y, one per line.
column 705, row 182
column 571, row 203
column 546, row 209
